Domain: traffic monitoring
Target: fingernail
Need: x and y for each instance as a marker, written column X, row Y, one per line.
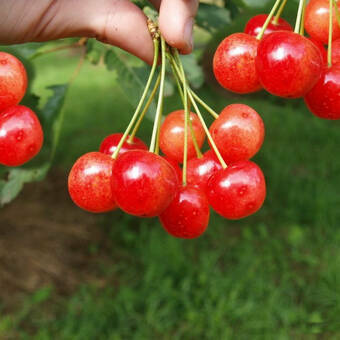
column 188, row 33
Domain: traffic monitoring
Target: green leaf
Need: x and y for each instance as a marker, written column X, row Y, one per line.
column 212, row 18
column 193, row 71
column 131, row 79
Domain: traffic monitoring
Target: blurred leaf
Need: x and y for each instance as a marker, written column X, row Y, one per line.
column 193, row 71
column 211, row 17
column 95, row 51
column 24, row 50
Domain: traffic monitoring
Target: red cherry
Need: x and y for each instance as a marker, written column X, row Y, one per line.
column 21, row 135
column 13, row 80
column 176, row 166
column 238, row 133
column 288, row 64
column 110, row 143
column 187, row 216
column 336, row 52
column 171, row 139
column 234, row 63
column 324, row 99
column 199, row 170
column 237, row 191
column 89, row 182
column 321, row 47
column 143, row 183
column 317, row 20
column 255, row 24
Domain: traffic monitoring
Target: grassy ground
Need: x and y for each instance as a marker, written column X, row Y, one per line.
column 275, row 275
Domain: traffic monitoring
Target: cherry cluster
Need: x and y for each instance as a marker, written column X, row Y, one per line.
column 270, row 55
column 181, row 184
column 21, row 135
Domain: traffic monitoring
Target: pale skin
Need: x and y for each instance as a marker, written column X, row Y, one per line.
column 116, row 22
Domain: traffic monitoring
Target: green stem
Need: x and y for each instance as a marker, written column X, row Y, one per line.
column 268, row 20
column 141, row 101
column 145, row 110
column 160, row 100
column 194, row 139
column 337, row 12
column 279, row 12
column 299, row 17
column 302, row 26
column 330, row 34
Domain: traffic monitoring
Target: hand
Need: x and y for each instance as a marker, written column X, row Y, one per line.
column 116, row 22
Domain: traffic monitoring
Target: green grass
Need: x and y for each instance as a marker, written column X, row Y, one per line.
column 275, row 275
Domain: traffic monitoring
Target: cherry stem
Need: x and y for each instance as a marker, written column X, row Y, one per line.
column 279, row 12
column 269, row 18
column 145, row 110
column 330, row 34
column 204, row 104
column 299, row 17
column 159, row 110
column 141, row 101
column 302, row 26
column 78, row 67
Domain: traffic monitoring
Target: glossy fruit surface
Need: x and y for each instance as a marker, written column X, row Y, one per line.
column 238, row 133
column 89, row 182
column 288, row 64
column 110, row 143
column 171, row 139
column 234, row 63
column 143, row 183
column 237, row 191
column 317, row 20
column 13, row 80
column 336, row 52
column 321, row 48
column 21, row 135
column 188, row 214
column 199, row 170
column 324, row 99
column 255, row 24
column 176, row 166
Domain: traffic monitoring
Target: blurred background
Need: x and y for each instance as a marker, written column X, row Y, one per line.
column 68, row 274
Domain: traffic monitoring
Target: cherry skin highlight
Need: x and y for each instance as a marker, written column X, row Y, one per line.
column 321, row 48
column 143, row 183
column 237, row 191
column 187, row 216
column 110, row 143
column 288, row 64
column 255, row 24
column 238, row 133
column 234, row 63
column 336, row 52
column 199, row 170
column 89, row 183
column 171, row 138
column 317, row 20
column 324, row 99
column 13, row 80
column 21, row 135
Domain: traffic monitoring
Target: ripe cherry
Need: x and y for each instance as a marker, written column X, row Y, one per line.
column 171, row 139
column 234, row 63
column 199, row 170
column 324, row 99
column 336, row 52
column 13, row 80
column 237, row 191
column 321, row 48
column 288, row 64
column 255, row 24
column 317, row 20
column 143, row 183
column 187, row 216
column 176, row 166
column 21, row 135
column 110, row 143
column 89, row 182
column 238, row 133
